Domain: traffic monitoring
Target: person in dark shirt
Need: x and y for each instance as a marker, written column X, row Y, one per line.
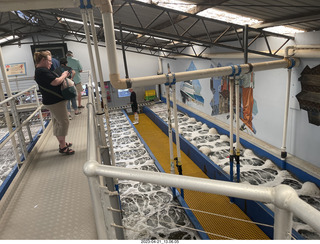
column 50, row 87
column 63, row 67
column 134, row 106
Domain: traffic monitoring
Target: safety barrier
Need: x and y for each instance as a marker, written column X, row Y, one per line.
column 284, row 197
column 10, row 111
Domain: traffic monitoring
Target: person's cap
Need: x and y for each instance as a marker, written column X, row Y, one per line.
column 63, row 61
column 69, row 52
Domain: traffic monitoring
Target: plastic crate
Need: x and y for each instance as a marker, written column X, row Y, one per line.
column 149, row 95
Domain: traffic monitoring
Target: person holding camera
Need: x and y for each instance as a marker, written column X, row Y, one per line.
column 49, row 85
column 63, row 67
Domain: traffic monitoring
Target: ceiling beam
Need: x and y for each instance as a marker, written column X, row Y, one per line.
column 203, row 5
column 289, row 20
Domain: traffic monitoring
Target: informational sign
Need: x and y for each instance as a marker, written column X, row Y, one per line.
column 124, row 93
column 16, row 69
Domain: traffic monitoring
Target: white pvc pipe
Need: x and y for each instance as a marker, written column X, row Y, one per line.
column 39, row 105
column 237, row 116
column 92, row 155
column 170, row 130
column 107, row 19
column 93, row 69
column 303, row 51
column 286, row 112
column 243, row 191
column 103, row 90
column 21, row 138
column 231, row 92
column 13, row 5
column 176, row 124
column 11, row 135
column 282, row 196
column 200, row 74
column 160, row 67
column 282, row 224
column 307, row 52
column 160, row 72
column 106, row 10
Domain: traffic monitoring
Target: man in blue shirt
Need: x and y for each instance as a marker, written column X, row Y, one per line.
column 55, row 64
column 76, row 66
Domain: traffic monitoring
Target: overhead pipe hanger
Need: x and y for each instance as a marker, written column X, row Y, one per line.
column 106, row 10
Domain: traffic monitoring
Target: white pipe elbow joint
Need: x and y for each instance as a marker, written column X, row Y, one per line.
column 282, row 195
column 286, row 51
column 89, row 168
column 118, row 83
column 104, row 5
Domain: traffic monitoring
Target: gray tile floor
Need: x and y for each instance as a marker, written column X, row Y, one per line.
column 52, row 201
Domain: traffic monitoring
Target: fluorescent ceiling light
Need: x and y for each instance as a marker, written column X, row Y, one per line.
column 8, row 38
column 159, row 38
column 141, row 35
column 213, row 13
column 78, row 33
column 75, row 21
column 124, row 31
column 283, row 30
column 178, row 5
column 228, row 17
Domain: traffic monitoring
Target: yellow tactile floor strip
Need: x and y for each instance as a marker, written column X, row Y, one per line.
column 158, row 143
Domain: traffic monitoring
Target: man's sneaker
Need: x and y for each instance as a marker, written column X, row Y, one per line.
column 135, row 122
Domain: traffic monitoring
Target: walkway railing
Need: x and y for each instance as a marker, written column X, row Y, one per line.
column 285, row 198
column 9, row 109
column 17, row 112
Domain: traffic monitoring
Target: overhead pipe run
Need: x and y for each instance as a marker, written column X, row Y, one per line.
column 106, row 10
column 297, row 51
column 237, row 156
column 176, row 128
column 170, row 129
column 302, row 51
column 13, row 5
column 286, row 113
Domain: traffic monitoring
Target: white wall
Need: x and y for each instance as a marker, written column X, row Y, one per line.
column 138, row 65
column 270, row 86
column 270, row 89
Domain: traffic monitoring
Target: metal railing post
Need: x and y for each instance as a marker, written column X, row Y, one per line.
column 16, row 119
column 282, row 224
column 94, row 185
column 105, row 200
column 39, row 105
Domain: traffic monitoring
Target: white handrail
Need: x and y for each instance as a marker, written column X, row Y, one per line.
column 19, row 126
column 283, row 197
column 17, row 95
